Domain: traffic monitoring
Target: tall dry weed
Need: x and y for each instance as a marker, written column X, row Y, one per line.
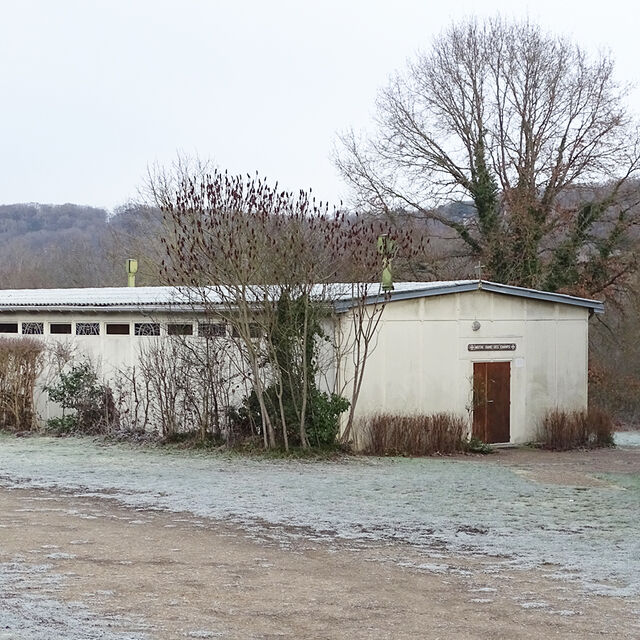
column 413, row 435
column 21, row 361
column 563, row 430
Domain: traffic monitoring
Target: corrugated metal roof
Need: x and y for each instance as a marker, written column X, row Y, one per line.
column 92, row 297
column 172, row 296
column 155, row 298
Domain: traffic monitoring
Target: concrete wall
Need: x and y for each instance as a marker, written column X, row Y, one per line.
column 421, row 362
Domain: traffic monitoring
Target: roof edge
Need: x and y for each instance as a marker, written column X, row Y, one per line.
column 595, row 306
column 88, row 308
column 422, row 290
column 394, row 296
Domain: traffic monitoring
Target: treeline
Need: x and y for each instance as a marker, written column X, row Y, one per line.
column 59, row 246
column 69, row 245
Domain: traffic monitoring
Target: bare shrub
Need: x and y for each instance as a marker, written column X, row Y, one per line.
column 21, row 361
column 413, row 435
column 179, row 386
column 563, row 430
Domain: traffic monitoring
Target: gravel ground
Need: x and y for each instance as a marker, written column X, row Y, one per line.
column 31, row 609
column 75, row 568
column 573, row 516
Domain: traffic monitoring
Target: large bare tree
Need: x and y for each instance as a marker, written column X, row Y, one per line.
column 530, row 129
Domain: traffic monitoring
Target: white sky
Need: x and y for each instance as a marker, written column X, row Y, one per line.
column 93, row 91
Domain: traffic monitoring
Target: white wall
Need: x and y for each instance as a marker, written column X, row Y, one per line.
column 421, row 363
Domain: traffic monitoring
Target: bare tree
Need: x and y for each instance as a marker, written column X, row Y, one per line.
column 530, row 129
column 265, row 261
column 180, row 385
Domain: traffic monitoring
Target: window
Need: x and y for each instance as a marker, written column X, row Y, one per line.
column 118, row 329
column 212, row 330
column 87, row 328
column 59, row 327
column 33, row 328
column 146, row 329
column 180, row 329
column 255, row 331
column 8, row 327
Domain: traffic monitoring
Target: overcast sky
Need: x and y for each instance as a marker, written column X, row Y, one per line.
column 94, row 91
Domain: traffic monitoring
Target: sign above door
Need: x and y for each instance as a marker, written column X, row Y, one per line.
column 492, row 346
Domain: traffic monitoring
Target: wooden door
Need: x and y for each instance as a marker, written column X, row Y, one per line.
column 492, row 401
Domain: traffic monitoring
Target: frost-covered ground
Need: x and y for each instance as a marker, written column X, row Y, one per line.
column 444, row 506
column 29, row 606
column 628, row 438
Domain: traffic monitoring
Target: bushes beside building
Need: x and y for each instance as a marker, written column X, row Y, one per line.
column 413, row 435
column 80, row 390
column 190, row 391
column 322, row 417
column 563, row 430
column 21, row 361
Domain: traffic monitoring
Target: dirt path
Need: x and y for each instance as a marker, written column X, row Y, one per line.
column 175, row 576
column 576, row 468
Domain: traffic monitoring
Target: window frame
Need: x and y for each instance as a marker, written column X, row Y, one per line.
column 137, row 329
column 5, row 330
column 176, row 326
column 219, row 330
column 58, row 325
column 31, row 325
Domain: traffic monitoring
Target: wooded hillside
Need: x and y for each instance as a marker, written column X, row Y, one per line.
column 43, row 245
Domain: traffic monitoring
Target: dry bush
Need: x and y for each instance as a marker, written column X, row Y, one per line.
column 21, row 361
column 413, row 435
column 179, row 387
column 562, row 430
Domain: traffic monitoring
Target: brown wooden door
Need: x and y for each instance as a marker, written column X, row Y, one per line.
column 492, row 401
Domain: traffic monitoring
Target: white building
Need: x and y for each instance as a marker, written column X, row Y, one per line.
column 498, row 355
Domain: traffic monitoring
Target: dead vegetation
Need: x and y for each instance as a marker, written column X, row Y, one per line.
column 413, row 435
column 21, row 361
column 562, row 430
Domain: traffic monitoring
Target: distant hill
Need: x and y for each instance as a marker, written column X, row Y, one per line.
column 69, row 245
column 39, row 224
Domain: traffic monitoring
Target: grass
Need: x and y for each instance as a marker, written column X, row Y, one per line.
column 475, row 445
column 191, row 441
column 247, row 447
column 419, row 501
column 255, row 449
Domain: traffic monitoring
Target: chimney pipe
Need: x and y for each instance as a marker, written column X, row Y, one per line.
column 386, row 247
column 132, row 269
